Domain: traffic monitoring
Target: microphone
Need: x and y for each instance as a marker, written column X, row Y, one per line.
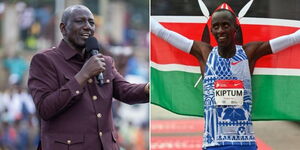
column 92, row 47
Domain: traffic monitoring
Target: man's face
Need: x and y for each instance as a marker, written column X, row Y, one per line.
column 80, row 25
column 223, row 28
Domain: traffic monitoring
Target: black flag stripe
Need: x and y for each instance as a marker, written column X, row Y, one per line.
column 287, row 9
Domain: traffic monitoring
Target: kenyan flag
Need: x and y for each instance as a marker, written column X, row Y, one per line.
column 276, row 78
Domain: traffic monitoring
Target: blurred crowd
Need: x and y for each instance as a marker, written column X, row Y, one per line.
column 19, row 125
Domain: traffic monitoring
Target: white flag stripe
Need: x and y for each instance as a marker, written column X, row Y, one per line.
column 270, row 21
column 203, row 8
column 175, row 67
column 181, row 19
column 196, row 69
column 245, row 9
column 244, row 20
column 277, row 71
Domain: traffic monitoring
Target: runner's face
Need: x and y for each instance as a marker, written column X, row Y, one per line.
column 223, row 28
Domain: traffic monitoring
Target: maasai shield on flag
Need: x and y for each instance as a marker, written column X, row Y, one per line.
column 276, row 78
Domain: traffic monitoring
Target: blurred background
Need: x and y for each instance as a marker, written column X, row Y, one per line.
column 31, row 25
column 170, row 131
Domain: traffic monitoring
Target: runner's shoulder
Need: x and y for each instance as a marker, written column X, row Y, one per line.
column 201, row 50
column 203, row 46
column 251, row 46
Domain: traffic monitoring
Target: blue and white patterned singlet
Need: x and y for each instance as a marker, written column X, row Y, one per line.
column 227, row 125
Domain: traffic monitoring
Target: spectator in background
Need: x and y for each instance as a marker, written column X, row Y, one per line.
column 12, row 106
column 16, row 67
column 26, row 21
column 17, row 113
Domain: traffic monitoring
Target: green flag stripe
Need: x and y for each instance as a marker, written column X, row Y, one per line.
column 173, row 90
column 176, row 67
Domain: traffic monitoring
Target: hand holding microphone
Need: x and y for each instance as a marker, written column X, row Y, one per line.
column 94, row 66
column 92, row 47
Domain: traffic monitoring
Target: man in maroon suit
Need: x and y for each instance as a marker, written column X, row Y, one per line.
column 75, row 111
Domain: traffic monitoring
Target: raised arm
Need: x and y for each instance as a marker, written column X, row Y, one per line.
column 171, row 37
column 255, row 50
column 285, row 41
column 197, row 48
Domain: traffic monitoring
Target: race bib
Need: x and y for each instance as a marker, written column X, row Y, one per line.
column 229, row 92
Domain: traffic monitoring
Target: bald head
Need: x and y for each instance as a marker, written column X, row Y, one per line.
column 77, row 24
column 69, row 11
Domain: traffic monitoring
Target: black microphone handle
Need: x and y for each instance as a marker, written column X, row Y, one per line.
column 100, row 76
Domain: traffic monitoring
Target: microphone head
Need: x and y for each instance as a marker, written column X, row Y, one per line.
column 91, row 44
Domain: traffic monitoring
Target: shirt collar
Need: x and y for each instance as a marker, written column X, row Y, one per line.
column 67, row 51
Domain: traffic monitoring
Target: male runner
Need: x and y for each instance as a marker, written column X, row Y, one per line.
column 227, row 70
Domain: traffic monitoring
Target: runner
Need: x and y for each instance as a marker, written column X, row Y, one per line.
column 227, row 70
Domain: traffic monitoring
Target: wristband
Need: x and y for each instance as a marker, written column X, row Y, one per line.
column 285, row 41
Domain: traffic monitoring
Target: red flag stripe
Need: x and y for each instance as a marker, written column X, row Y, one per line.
column 163, row 53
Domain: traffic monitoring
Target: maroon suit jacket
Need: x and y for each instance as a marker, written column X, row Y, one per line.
column 72, row 117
